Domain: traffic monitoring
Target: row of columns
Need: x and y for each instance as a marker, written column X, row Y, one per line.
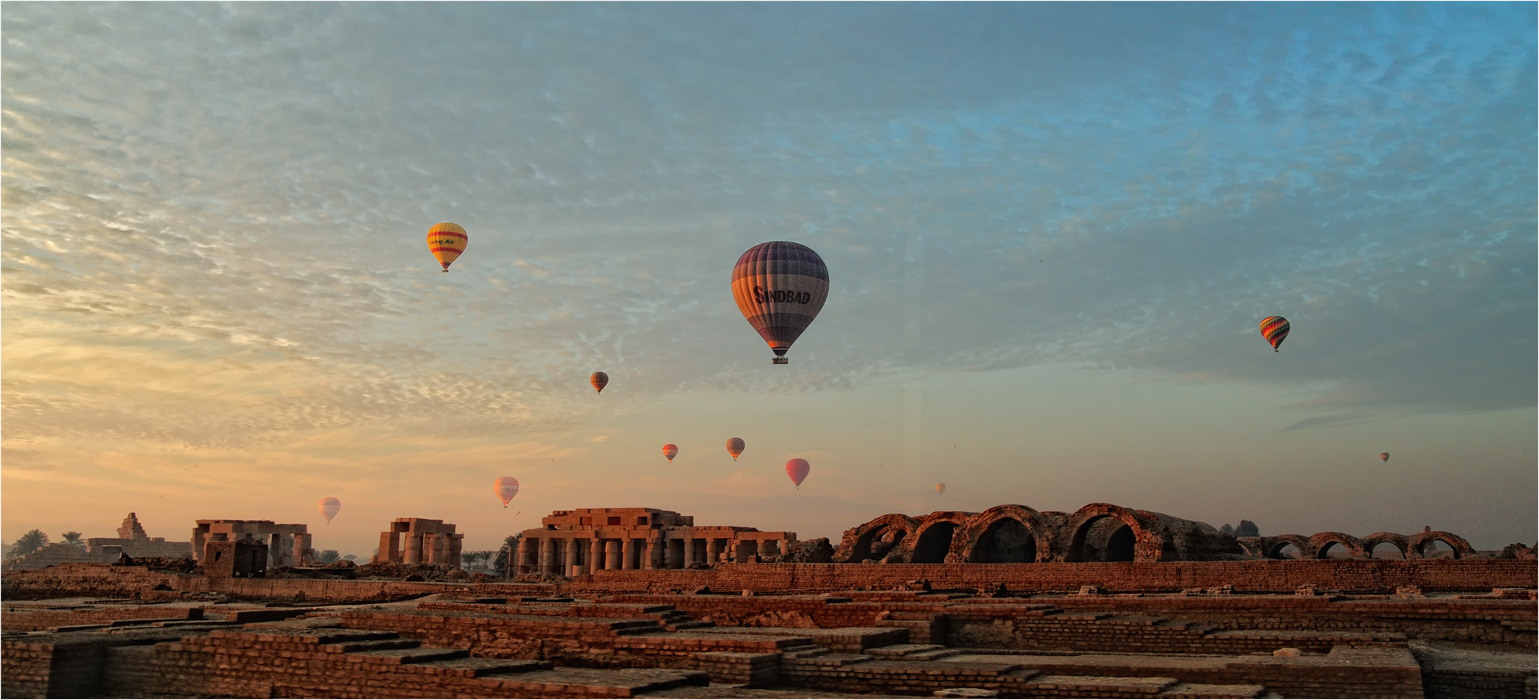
column 540, row 555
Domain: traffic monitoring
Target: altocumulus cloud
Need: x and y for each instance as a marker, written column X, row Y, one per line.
column 213, row 214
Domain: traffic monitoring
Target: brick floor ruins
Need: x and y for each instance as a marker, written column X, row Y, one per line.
column 1071, row 624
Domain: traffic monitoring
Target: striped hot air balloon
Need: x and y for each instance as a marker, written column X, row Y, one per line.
column 447, row 241
column 1274, row 329
column 735, row 447
column 780, row 287
column 506, row 488
column 670, row 451
column 329, row 508
column 599, row 380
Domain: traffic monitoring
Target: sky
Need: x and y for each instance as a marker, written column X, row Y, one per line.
column 1051, row 232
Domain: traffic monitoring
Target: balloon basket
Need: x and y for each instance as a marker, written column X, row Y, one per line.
column 780, row 361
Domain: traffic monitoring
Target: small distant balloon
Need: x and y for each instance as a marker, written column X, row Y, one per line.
column 447, row 241
column 329, row 508
column 780, row 287
column 797, row 469
column 735, row 447
column 1384, row 456
column 670, row 450
column 1274, row 329
column 940, row 488
column 506, row 488
column 599, row 380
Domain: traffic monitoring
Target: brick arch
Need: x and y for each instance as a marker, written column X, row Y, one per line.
column 1416, row 546
column 1401, row 542
column 1322, row 540
column 1149, row 544
column 857, row 540
column 966, row 540
column 1253, row 546
column 956, row 519
column 1274, row 544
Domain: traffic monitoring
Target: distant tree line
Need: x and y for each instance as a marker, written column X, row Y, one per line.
column 1246, row 528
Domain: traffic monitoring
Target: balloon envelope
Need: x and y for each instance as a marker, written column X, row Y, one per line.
column 1384, row 456
column 447, row 241
column 940, row 488
column 780, row 287
column 329, row 508
column 797, row 469
column 669, row 450
column 735, row 447
column 599, row 380
column 1274, row 329
column 506, row 488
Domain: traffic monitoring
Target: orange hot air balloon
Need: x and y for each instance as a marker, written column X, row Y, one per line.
column 670, row 450
column 780, row 287
column 735, row 447
column 329, row 507
column 1274, row 329
column 599, row 380
column 1384, row 456
column 797, row 469
column 447, row 241
column 940, row 488
column 506, row 488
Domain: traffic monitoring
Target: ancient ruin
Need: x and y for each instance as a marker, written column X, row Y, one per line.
column 419, row 541
column 132, row 541
column 639, row 602
column 287, row 545
column 575, row 542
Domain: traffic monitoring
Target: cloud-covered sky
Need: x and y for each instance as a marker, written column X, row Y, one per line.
column 1051, row 230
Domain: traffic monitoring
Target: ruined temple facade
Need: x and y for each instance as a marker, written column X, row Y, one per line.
column 287, row 545
column 132, row 541
column 419, row 541
column 577, row 542
column 1099, row 532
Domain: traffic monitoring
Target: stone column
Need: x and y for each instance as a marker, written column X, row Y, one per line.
column 523, row 556
column 595, row 554
column 713, row 552
column 413, row 548
column 689, row 551
column 612, row 548
column 569, row 557
column 389, row 548
column 546, row 555
column 628, row 553
column 768, row 548
column 301, row 549
column 654, row 553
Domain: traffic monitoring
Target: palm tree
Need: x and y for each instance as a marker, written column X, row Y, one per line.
column 29, row 543
column 73, row 538
column 327, row 556
column 505, row 555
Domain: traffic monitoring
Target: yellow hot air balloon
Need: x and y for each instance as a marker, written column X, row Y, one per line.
column 599, row 380
column 447, row 241
column 940, row 488
column 735, row 447
column 329, row 507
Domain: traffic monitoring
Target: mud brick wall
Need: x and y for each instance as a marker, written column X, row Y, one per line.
column 156, row 672
column 26, row 669
column 24, row 619
column 1479, row 683
column 75, row 580
column 1369, row 576
column 567, row 641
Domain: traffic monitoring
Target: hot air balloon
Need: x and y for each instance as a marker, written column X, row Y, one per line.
column 447, row 241
column 670, row 450
column 1384, row 456
column 1274, row 329
column 780, row 286
column 797, row 469
column 940, row 488
column 735, row 447
column 599, row 380
column 329, row 508
column 506, row 488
